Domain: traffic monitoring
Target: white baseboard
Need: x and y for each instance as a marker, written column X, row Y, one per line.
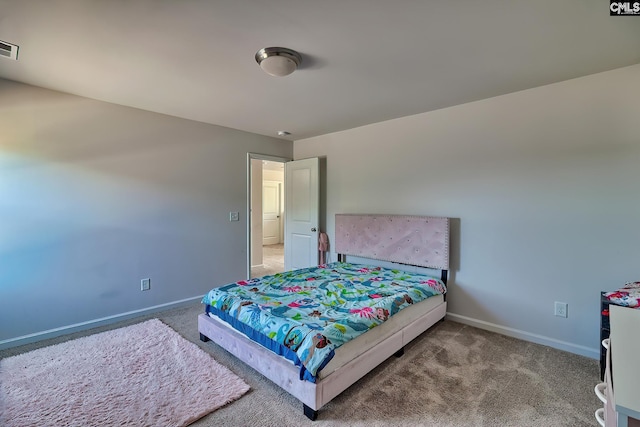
column 593, row 353
column 51, row 333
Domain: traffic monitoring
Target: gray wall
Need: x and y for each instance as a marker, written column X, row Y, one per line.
column 544, row 186
column 95, row 197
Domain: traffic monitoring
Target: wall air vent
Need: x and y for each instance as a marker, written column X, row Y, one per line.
column 8, row 50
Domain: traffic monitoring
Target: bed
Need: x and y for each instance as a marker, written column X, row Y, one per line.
column 316, row 357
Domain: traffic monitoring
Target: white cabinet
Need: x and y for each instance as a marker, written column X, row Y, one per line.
column 620, row 393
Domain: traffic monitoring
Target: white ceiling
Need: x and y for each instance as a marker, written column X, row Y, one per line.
column 364, row 61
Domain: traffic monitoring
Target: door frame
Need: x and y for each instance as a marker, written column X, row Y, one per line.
column 250, row 157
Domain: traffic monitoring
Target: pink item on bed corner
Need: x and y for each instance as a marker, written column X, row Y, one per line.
column 323, row 247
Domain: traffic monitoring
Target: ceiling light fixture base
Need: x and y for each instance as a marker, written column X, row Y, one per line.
column 278, row 61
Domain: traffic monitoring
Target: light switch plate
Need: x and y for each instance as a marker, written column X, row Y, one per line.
column 234, row 216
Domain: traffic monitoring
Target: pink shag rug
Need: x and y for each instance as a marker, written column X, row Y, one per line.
column 141, row 375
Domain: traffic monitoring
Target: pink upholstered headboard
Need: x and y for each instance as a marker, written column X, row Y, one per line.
column 414, row 240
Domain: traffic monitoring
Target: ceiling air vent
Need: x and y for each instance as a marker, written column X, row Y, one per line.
column 8, row 50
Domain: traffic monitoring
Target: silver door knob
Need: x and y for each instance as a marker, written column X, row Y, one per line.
column 313, row 229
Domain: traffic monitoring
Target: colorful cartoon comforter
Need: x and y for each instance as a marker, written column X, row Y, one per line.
column 304, row 315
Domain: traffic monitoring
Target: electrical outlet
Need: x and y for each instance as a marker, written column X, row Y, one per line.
column 561, row 309
column 234, row 216
column 145, row 284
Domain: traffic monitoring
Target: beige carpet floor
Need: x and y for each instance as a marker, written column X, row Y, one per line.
column 272, row 261
column 452, row 375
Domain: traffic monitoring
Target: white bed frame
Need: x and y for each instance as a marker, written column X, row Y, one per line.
column 414, row 240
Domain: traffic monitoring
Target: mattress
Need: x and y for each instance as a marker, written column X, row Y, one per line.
column 373, row 337
column 312, row 316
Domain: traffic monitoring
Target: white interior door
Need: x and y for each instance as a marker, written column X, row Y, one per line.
column 270, row 213
column 302, row 205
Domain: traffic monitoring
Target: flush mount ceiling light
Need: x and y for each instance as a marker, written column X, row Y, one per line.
column 278, row 61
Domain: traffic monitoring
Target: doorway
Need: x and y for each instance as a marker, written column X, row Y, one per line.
column 266, row 215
